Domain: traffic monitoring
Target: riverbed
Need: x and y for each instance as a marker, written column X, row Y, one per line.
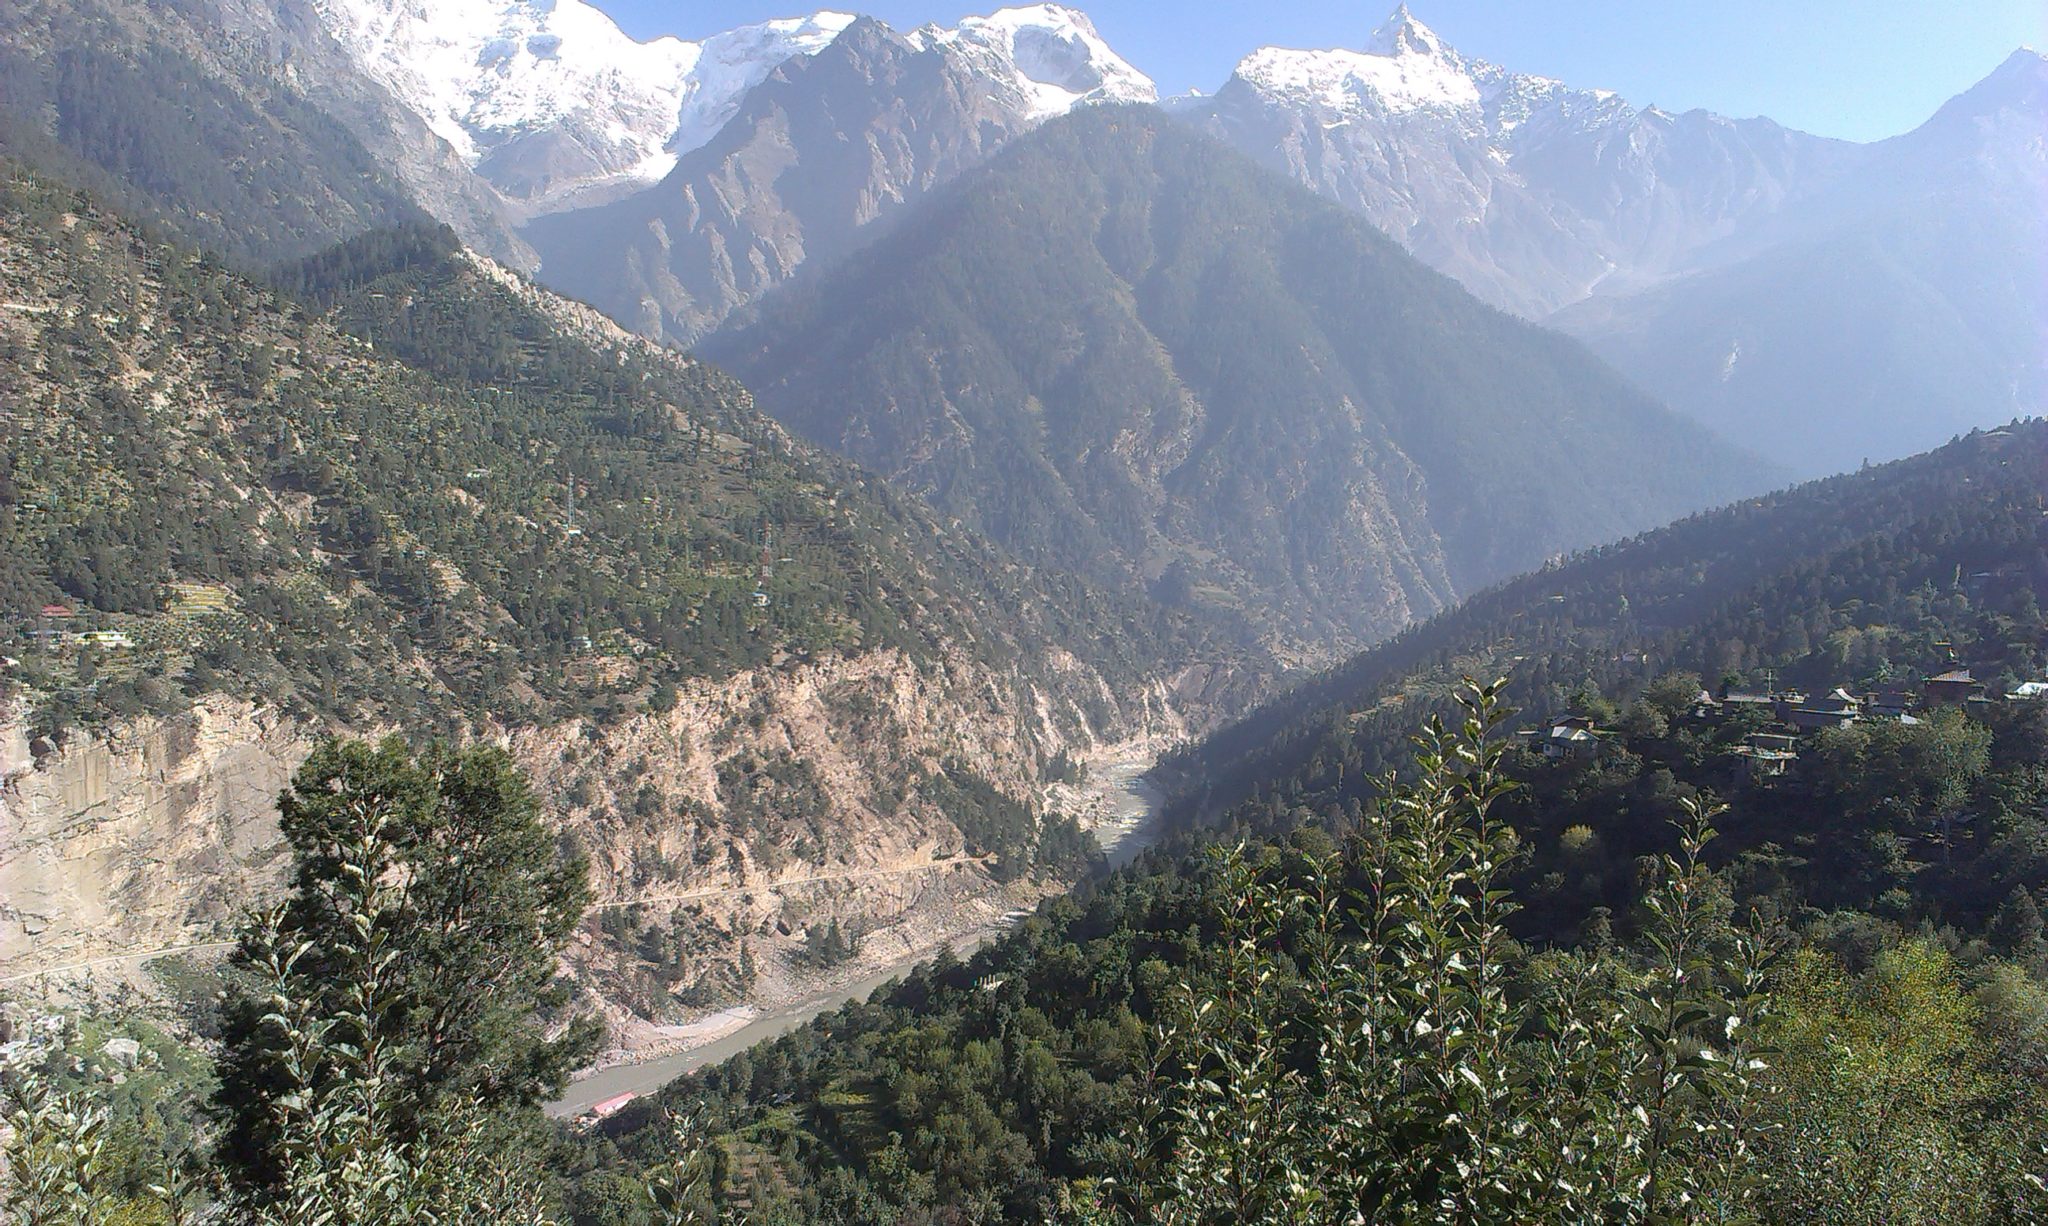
column 651, row 1075
column 1114, row 801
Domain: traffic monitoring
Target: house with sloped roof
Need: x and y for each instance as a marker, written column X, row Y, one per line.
column 1835, row 710
column 1573, row 738
column 1951, row 689
column 1889, row 702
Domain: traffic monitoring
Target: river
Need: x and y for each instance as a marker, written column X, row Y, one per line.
column 1117, row 803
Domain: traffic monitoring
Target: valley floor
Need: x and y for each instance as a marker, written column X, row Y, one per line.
column 1114, row 800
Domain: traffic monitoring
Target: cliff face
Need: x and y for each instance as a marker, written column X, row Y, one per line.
column 146, row 841
column 720, row 832
column 781, row 184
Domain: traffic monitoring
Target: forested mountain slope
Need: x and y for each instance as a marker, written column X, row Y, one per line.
column 1122, row 348
column 1863, row 580
column 435, row 498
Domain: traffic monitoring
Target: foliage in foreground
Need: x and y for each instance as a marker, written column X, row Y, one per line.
column 1352, row 1035
column 417, row 950
column 385, row 1052
column 1370, row 1045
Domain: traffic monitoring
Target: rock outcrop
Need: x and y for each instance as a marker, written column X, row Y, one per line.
column 720, row 832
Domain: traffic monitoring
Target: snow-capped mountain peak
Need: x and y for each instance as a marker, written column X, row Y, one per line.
column 492, row 76
column 473, row 68
column 734, row 62
column 1404, row 67
column 1049, row 53
column 1403, row 34
column 1407, row 69
column 551, row 101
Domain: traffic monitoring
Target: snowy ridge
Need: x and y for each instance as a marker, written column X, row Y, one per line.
column 1349, row 82
column 1405, row 69
column 730, row 64
column 487, row 74
column 484, row 72
column 1049, row 54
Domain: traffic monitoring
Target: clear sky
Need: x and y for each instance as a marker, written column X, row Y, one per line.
column 1861, row 69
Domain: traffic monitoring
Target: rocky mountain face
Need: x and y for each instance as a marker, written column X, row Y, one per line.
column 1531, row 193
column 1121, row 348
column 1822, row 301
column 720, row 831
column 780, row 185
column 239, row 123
column 423, row 495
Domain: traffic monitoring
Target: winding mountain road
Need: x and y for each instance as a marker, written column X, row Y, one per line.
column 88, row 965
column 781, row 884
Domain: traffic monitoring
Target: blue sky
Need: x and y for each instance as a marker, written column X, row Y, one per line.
column 1861, row 69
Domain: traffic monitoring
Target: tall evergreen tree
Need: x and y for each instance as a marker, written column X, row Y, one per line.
column 481, row 900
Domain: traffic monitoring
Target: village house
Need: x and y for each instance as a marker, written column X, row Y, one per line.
column 1769, row 754
column 1735, row 702
column 1574, row 738
column 1834, row 711
column 1951, row 689
column 1891, row 702
column 609, row 1107
column 1785, row 702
